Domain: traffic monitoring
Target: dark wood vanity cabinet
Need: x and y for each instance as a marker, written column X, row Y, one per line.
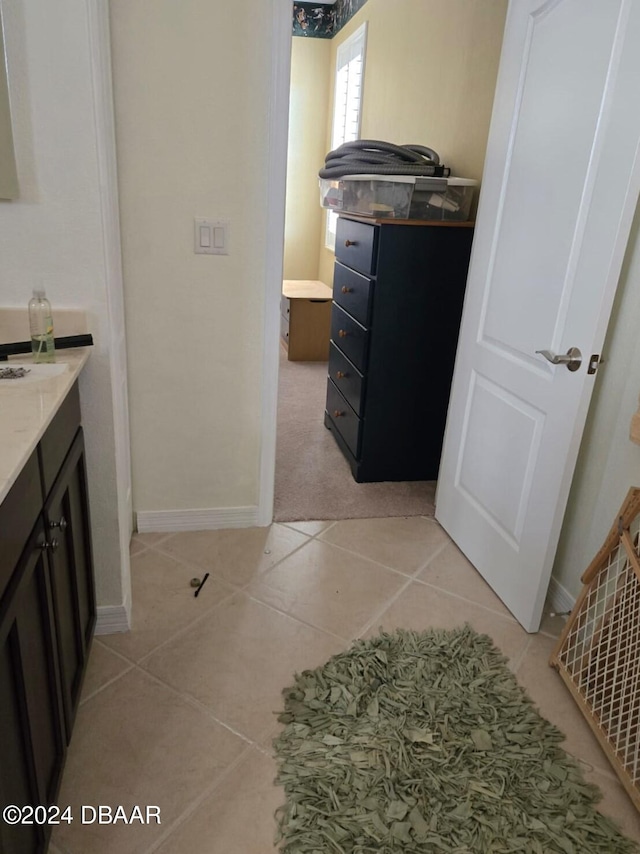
column 32, row 742
column 398, row 291
column 66, row 519
column 47, row 618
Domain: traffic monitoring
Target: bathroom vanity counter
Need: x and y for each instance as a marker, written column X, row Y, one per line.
column 27, row 407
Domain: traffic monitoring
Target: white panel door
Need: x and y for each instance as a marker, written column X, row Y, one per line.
column 559, row 190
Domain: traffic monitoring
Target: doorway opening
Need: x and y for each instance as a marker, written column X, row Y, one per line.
column 313, row 479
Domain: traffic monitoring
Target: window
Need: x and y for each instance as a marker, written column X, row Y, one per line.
column 347, row 104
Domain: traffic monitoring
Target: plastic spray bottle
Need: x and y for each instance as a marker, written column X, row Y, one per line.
column 41, row 326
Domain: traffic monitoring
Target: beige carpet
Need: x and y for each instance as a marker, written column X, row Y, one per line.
column 313, row 479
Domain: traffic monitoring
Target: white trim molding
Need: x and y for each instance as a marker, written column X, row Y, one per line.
column 277, row 144
column 113, row 619
column 206, row 519
column 112, row 335
column 561, row 601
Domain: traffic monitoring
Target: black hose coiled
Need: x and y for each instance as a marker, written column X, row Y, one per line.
column 364, row 156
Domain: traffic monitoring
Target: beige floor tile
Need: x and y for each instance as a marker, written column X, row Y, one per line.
column 404, row 544
column 138, row 743
column 238, row 555
column 237, row 817
column 420, row 607
column 451, row 571
column 163, row 603
column 328, row 587
column 103, row 666
column 266, row 742
column 136, row 546
column 552, row 625
column 150, row 538
column 616, row 804
column 310, row 528
column 547, row 690
column 239, row 659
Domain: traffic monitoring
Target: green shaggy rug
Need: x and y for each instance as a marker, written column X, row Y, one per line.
column 424, row 742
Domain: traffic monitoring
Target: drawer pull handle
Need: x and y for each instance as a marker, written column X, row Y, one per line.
column 62, row 524
column 338, row 414
column 346, row 290
column 342, row 333
column 341, row 375
column 349, row 243
column 49, row 545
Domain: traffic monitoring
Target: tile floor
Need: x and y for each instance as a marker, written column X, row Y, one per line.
column 179, row 713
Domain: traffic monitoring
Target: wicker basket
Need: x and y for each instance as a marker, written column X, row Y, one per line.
column 598, row 653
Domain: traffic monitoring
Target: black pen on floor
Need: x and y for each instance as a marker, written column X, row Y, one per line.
column 206, row 575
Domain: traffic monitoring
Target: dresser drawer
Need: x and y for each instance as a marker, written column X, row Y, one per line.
column 285, row 306
column 350, row 337
column 357, row 245
column 353, row 292
column 346, row 377
column 344, row 418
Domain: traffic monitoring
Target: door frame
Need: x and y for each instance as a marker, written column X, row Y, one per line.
column 279, row 40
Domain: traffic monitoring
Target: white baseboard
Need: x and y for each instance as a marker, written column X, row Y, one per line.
column 559, row 598
column 211, row 519
column 113, row 619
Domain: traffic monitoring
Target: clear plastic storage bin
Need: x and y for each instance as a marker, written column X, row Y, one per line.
column 399, row 196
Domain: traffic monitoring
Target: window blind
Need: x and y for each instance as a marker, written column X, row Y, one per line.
column 347, row 104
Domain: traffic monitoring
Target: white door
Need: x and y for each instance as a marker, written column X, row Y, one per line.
column 559, row 190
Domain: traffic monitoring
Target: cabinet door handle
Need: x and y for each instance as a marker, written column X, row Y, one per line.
column 62, row 524
column 338, row 414
column 342, row 333
column 346, row 290
column 341, row 375
column 348, row 243
column 48, row 545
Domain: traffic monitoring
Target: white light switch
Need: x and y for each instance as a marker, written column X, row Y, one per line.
column 211, row 236
column 205, row 236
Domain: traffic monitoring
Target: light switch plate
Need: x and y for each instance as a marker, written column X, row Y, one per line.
column 211, row 236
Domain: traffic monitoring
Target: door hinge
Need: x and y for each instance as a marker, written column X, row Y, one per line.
column 594, row 362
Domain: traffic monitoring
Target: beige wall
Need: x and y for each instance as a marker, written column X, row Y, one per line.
column 191, row 86
column 430, row 75
column 308, row 104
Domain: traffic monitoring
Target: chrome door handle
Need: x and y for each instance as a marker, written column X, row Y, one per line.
column 572, row 359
